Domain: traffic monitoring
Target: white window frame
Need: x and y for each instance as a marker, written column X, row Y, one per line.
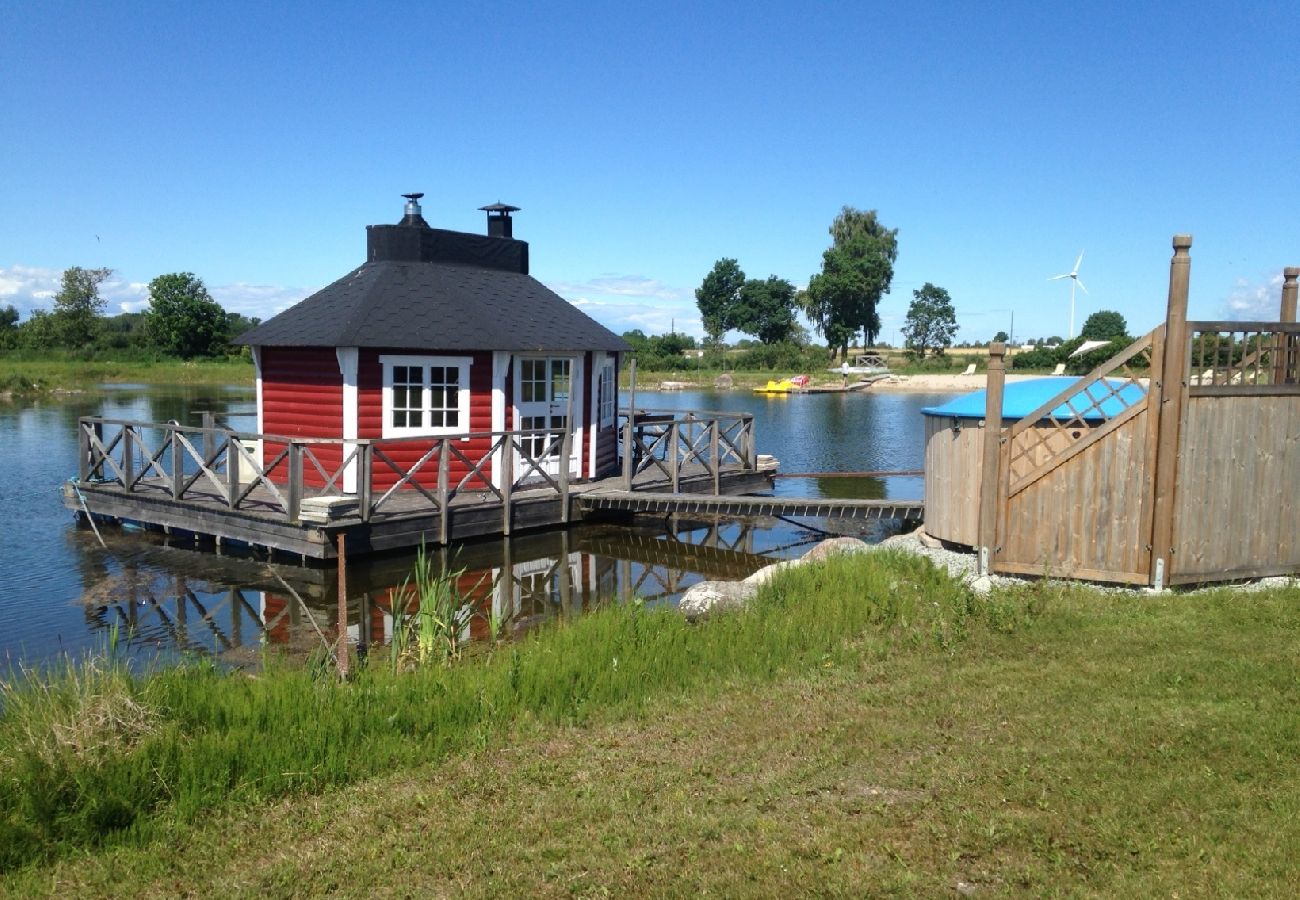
column 426, row 362
column 607, row 393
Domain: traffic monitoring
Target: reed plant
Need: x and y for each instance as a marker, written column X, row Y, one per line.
column 197, row 738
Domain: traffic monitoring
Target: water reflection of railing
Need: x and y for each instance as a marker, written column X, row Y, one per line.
column 167, row 599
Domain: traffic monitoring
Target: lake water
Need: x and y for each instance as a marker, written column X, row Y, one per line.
column 61, row 592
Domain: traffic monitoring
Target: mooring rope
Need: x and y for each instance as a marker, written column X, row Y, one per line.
column 86, row 509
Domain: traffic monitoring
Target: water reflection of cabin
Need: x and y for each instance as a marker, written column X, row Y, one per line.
column 438, row 333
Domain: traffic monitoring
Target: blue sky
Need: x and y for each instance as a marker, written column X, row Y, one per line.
column 252, row 143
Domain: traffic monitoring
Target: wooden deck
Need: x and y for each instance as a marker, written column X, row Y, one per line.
column 405, row 521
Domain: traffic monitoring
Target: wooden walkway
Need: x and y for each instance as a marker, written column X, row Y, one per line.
column 647, row 501
column 404, row 522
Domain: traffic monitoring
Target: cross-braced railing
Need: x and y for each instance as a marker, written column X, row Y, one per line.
column 219, row 465
column 669, row 442
column 1083, row 412
column 276, row 474
column 1243, row 357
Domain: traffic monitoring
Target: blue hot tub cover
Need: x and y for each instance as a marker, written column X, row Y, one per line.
column 1020, row 398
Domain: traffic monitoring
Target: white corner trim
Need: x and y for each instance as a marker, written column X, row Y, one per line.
column 593, row 418
column 348, row 358
column 500, row 364
column 257, row 371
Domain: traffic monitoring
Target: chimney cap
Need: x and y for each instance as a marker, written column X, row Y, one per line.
column 415, row 196
column 499, row 207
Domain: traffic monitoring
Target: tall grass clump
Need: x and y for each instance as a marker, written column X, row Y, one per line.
column 176, row 743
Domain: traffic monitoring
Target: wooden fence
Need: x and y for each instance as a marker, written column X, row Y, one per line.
column 1177, row 461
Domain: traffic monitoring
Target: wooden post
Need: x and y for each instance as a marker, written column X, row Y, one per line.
column 365, row 464
column 128, row 457
column 989, row 464
column 1285, row 369
column 714, row 456
column 1173, row 387
column 178, row 462
column 342, row 654
column 295, row 480
column 83, row 450
column 444, row 495
column 629, row 429
column 232, row 470
column 566, row 451
column 674, row 464
column 507, row 480
column 209, row 436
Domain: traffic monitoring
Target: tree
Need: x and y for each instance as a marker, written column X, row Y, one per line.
column 8, row 326
column 765, row 309
column 856, row 272
column 183, row 318
column 1105, row 325
column 717, row 297
column 931, row 321
column 1001, row 336
column 77, row 307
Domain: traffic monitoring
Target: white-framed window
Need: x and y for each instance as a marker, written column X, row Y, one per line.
column 607, row 394
column 425, row 395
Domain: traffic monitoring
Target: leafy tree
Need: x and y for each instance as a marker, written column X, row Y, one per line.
column 717, row 298
column 765, row 309
column 931, row 321
column 1001, row 336
column 40, row 331
column 1105, row 325
column 183, row 318
column 856, row 272
column 636, row 337
column 77, row 307
column 237, row 324
column 8, row 326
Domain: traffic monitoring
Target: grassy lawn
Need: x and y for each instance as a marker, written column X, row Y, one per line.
column 1043, row 741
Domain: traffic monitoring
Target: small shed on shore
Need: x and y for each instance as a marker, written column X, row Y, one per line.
column 439, row 333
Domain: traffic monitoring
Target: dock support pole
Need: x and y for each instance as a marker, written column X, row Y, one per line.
column 990, row 464
column 1172, row 393
column 342, row 653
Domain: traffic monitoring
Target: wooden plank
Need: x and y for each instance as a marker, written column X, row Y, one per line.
column 1172, row 379
column 993, row 440
column 1244, row 390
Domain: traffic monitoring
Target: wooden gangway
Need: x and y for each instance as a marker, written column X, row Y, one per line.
column 698, row 504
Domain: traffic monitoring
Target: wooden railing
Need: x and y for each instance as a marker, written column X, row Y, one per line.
column 1243, row 357
column 668, row 441
column 221, row 465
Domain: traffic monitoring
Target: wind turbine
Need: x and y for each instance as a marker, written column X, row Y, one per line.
column 1073, row 275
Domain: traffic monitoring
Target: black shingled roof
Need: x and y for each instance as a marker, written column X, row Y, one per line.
column 428, row 288
column 435, row 306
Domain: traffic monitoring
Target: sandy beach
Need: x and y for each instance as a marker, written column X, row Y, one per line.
column 939, row 383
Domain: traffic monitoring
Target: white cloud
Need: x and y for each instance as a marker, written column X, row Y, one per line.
column 28, row 287
column 622, row 286
column 626, row 302
column 1254, row 300
column 259, row 301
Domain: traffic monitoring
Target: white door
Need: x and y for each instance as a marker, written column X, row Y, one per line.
column 544, row 402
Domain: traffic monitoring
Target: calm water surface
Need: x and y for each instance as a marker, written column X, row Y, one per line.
column 62, row 593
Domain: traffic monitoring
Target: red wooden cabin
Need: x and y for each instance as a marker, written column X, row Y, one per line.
column 438, row 333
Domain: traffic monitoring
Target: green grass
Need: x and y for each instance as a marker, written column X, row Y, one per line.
column 25, row 373
column 868, row 727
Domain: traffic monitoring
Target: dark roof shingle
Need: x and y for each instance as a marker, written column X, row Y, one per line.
column 435, row 306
